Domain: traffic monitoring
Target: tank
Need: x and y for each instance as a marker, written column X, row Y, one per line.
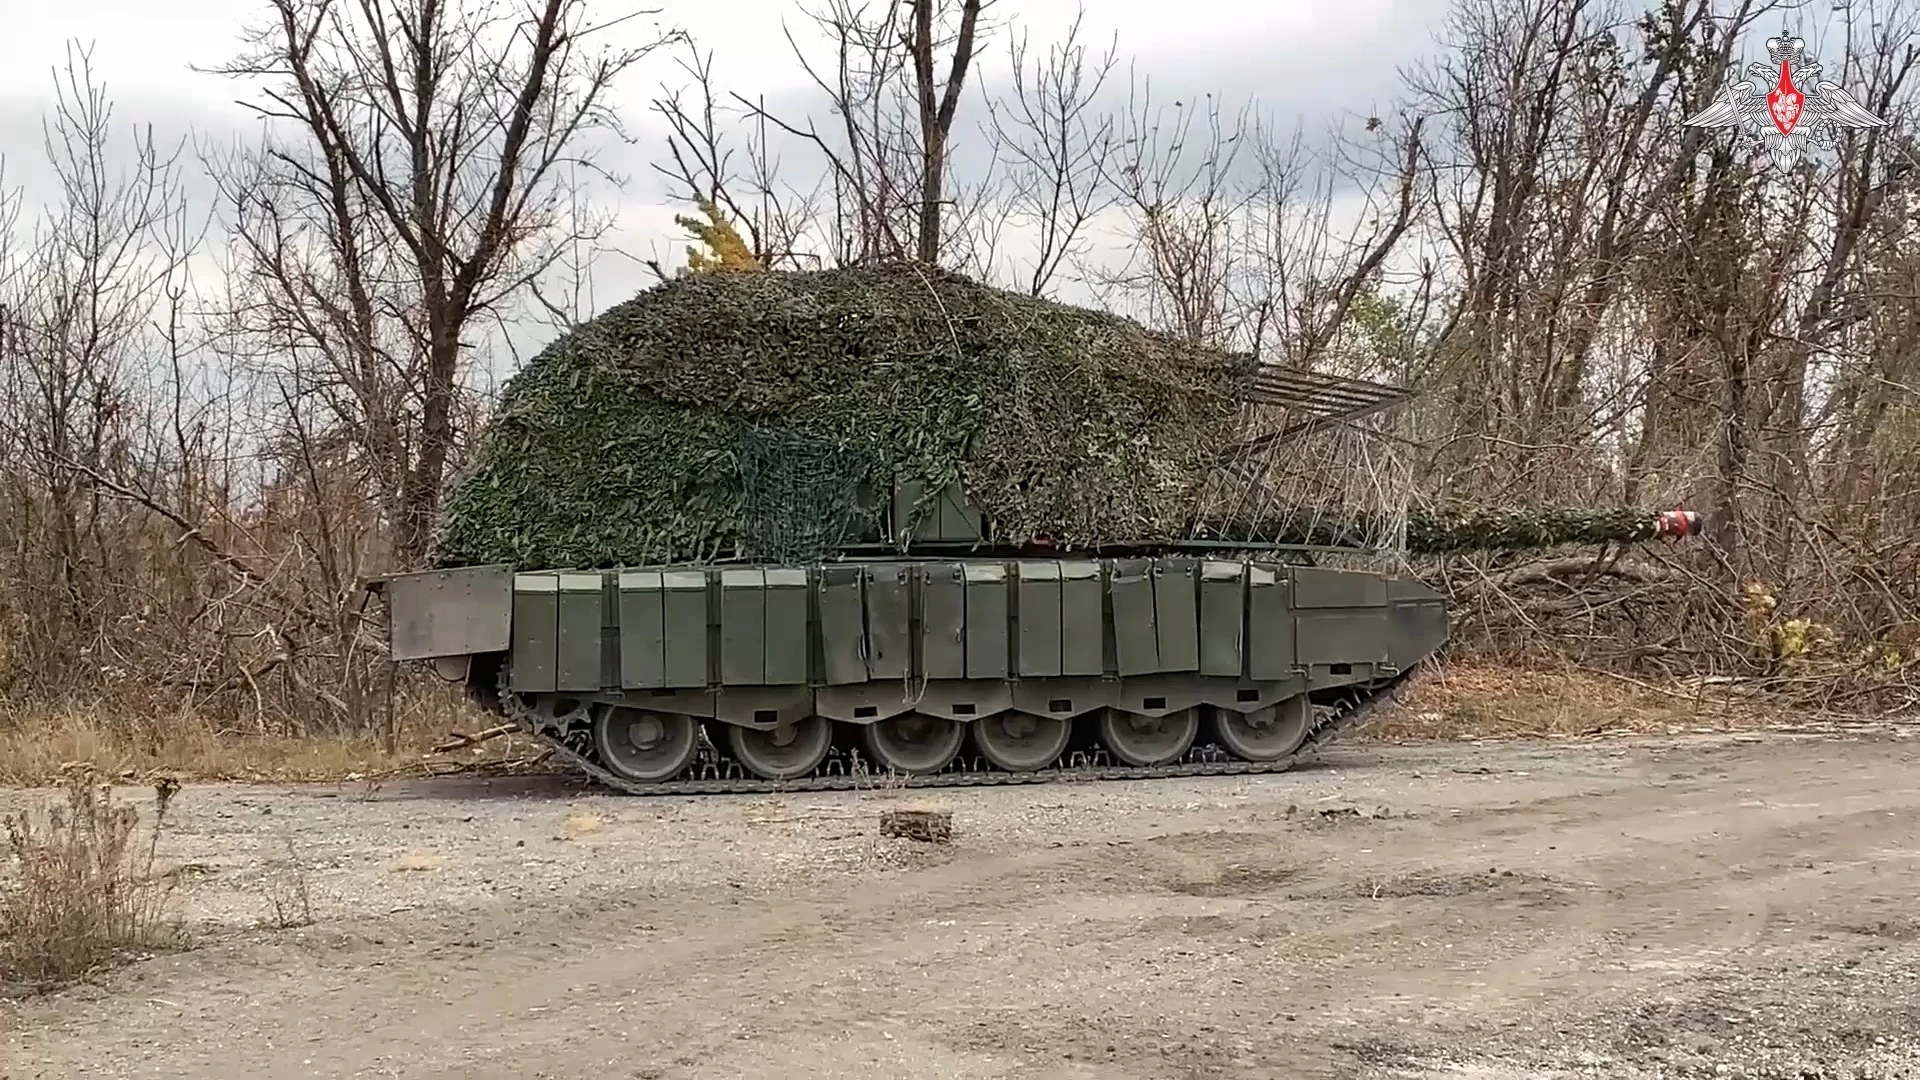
column 1141, row 581
column 956, row 663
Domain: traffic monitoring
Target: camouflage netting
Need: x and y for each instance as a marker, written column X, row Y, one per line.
column 1441, row 532
column 634, row 438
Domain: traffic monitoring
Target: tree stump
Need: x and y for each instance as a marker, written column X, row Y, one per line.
column 926, row 826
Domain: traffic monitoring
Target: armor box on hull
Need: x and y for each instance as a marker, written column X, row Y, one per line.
column 903, row 662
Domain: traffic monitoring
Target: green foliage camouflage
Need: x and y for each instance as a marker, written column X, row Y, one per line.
column 622, row 442
column 1446, row 532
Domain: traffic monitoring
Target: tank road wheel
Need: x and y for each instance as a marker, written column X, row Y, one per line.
column 1022, row 742
column 643, row 746
column 1267, row 734
column 1149, row 740
column 786, row 752
column 914, row 743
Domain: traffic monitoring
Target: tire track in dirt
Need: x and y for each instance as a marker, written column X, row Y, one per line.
column 1697, row 920
column 511, row 989
column 1223, row 939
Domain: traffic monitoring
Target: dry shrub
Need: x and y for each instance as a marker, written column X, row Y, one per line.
column 288, row 896
column 81, row 891
column 39, row 746
column 1666, row 617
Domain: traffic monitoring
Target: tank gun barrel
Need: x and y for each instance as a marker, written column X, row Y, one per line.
column 1680, row 524
column 1523, row 530
column 1441, row 533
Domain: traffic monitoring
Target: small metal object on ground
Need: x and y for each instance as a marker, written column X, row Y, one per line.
column 926, row 826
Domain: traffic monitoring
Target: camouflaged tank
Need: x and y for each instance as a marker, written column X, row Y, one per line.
column 944, row 655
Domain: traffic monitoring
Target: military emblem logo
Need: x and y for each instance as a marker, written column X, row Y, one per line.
column 1785, row 111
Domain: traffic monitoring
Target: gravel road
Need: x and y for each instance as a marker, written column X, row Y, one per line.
column 1673, row 908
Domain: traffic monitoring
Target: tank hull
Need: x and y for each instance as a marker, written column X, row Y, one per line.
column 922, row 671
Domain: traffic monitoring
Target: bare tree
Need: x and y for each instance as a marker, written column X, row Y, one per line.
column 700, row 167
column 1174, row 178
column 889, row 158
column 938, row 104
column 1545, row 179
column 75, row 298
column 1233, row 230
column 1053, row 147
column 1605, row 306
column 1306, row 274
column 411, row 183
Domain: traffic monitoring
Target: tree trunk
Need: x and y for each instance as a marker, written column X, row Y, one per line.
column 936, row 115
column 420, row 502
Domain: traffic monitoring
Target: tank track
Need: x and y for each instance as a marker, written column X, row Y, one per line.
column 713, row 773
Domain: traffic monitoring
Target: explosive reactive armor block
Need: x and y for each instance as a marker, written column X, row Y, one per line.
column 1186, row 628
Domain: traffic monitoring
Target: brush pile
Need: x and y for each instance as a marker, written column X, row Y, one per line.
column 640, row 436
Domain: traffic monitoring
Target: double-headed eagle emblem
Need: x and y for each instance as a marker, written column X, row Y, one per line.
column 1786, row 111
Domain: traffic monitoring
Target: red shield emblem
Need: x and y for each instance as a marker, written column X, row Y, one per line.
column 1785, row 102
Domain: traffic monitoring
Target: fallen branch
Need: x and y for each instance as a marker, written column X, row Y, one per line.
column 483, row 767
column 459, row 740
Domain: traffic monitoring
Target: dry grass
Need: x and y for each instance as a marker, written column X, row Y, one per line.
column 80, row 890
column 1486, row 701
column 289, row 900
column 1461, row 700
column 37, row 749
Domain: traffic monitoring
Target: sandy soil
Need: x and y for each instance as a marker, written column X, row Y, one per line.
column 1701, row 907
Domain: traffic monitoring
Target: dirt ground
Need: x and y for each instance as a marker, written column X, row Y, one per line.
column 1679, row 907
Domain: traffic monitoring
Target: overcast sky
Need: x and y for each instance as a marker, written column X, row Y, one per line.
column 1281, row 48
column 1307, row 58
column 1313, row 61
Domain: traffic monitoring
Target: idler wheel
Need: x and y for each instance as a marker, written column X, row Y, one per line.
column 782, row 752
column 644, row 746
column 1022, row 742
column 914, row 743
column 1141, row 741
column 1267, row 734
